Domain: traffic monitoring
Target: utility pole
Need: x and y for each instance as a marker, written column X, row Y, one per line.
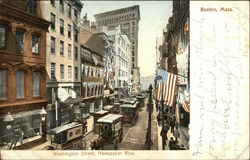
column 149, row 141
column 162, row 122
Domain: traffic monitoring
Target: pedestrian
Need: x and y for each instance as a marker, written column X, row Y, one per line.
column 172, row 124
column 171, row 143
column 176, row 133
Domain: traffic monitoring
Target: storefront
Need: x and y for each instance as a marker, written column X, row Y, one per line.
column 25, row 127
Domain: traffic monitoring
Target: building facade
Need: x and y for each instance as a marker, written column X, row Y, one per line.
column 122, row 60
column 174, row 58
column 92, row 67
column 128, row 19
column 63, row 60
column 22, row 74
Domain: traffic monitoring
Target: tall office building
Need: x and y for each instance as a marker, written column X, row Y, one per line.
column 128, row 19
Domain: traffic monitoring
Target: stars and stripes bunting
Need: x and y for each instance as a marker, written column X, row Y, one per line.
column 185, row 103
column 167, row 87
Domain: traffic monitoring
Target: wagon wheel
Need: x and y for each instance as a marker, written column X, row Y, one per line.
column 82, row 144
column 120, row 136
column 134, row 121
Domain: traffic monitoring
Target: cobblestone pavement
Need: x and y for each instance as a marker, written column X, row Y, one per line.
column 134, row 136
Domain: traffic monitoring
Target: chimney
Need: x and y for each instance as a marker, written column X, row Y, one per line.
column 86, row 23
column 93, row 27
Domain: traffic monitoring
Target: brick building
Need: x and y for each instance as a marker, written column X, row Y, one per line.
column 173, row 56
column 22, row 73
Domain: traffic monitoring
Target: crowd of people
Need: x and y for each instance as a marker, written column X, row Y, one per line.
column 170, row 123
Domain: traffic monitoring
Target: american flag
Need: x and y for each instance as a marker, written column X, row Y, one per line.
column 168, row 87
column 185, row 103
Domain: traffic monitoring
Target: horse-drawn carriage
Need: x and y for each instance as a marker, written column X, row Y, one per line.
column 109, row 108
column 130, row 110
column 141, row 100
column 116, row 108
column 96, row 116
column 68, row 136
column 110, row 131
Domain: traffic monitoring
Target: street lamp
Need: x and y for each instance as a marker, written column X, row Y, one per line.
column 43, row 113
column 162, row 115
column 8, row 119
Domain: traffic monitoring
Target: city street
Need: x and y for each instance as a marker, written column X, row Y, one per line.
column 134, row 136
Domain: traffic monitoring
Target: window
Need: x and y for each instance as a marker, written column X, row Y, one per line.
column 61, row 6
column 69, row 10
column 76, row 35
column 3, row 83
column 61, row 27
column 19, row 40
column 75, row 14
column 69, row 50
column 32, row 6
column 53, row 70
column 3, row 35
column 52, row 2
column 53, row 21
column 20, row 84
column 35, row 43
column 76, row 53
column 62, row 71
column 69, row 72
column 69, row 31
column 36, row 83
column 82, row 51
column 53, row 44
column 76, row 73
column 61, row 48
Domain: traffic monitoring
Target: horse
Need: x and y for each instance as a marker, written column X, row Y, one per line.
column 97, row 143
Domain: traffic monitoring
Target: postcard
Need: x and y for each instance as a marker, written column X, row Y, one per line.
column 124, row 80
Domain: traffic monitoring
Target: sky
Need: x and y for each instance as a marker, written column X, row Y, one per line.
column 154, row 17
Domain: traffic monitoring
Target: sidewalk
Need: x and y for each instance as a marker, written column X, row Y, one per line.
column 181, row 141
column 47, row 143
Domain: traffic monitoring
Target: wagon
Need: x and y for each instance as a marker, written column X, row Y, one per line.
column 96, row 116
column 130, row 113
column 109, row 108
column 68, row 136
column 110, row 129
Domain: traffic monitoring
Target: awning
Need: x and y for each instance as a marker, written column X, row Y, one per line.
column 26, row 113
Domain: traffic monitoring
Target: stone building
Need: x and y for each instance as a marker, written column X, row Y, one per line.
column 128, row 18
column 176, row 53
column 92, row 66
column 23, row 94
column 63, row 60
column 122, row 60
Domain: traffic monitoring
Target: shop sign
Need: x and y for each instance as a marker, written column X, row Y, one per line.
column 106, row 92
column 74, row 133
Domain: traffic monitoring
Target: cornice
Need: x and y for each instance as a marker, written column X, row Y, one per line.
column 23, row 17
